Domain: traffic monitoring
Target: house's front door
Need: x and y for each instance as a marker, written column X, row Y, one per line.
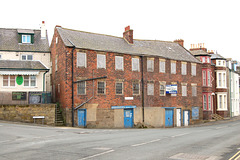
column 168, row 117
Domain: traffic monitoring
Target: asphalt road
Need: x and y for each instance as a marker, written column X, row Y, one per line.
column 210, row 142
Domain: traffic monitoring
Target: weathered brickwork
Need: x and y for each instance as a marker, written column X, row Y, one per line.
column 62, row 80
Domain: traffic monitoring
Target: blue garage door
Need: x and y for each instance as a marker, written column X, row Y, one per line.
column 128, row 118
column 82, row 117
column 168, row 117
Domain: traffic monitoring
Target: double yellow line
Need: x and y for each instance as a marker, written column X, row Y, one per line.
column 236, row 156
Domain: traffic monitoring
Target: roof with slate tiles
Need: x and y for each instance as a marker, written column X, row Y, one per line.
column 21, row 65
column 107, row 43
column 9, row 41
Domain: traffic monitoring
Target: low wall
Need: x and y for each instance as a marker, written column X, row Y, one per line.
column 25, row 113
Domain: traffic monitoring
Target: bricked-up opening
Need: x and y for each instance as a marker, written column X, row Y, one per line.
column 180, row 41
column 128, row 35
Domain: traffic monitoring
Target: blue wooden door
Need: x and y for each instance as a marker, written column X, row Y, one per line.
column 82, row 117
column 128, row 118
column 168, row 117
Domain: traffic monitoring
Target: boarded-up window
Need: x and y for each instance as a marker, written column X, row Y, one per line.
column 81, row 88
column 184, row 68
column 173, row 67
column 119, row 63
column 150, row 65
column 194, row 67
column 150, row 89
column 162, row 66
column 81, row 59
column 184, row 90
column 194, row 90
column 101, row 61
column 135, row 64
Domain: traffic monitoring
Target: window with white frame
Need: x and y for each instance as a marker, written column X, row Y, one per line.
column 194, row 89
column 208, row 60
column 101, row 87
column 56, row 63
column 150, row 89
column 173, row 67
column 119, row 63
column 221, row 79
column 8, row 80
column 204, row 78
column 135, row 64
column 208, row 78
column 220, row 63
column 205, row 102
column 30, row 81
column 194, row 69
column 101, row 61
column 135, row 88
column 184, row 68
column 81, row 88
column 26, row 38
column 209, row 102
column 162, row 88
column 28, row 57
column 222, row 101
column 119, row 88
column 184, row 90
column 150, row 64
column 81, row 59
column 162, row 65
column 203, row 59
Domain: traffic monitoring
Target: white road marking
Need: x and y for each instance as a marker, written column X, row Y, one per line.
column 180, row 135
column 96, row 155
column 102, row 148
column 140, row 144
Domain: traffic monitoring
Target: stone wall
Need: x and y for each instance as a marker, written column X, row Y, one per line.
column 25, row 113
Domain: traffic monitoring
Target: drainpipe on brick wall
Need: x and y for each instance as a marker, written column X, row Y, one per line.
column 72, row 85
column 142, row 88
column 44, row 75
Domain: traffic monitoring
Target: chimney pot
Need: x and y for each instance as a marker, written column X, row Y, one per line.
column 127, row 28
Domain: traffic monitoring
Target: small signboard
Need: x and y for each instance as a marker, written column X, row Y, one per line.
column 128, row 98
column 122, row 107
column 22, row 96
column 35, row 97
column 195, row 113
column 171, row 89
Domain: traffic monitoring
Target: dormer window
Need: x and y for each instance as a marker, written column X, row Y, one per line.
column 221, row 63
column 27, row 57
column 26, row 38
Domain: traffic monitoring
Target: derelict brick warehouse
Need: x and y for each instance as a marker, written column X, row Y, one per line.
column 123, row 82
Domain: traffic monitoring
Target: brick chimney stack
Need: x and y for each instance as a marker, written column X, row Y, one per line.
column 180, row 41
column 128, row 35
column 199, row 46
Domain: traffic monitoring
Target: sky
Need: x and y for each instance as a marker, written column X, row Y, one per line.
column 212, row 22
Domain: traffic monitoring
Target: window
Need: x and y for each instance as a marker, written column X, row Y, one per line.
column 135, row 88
column 119, row 88
column 209, row 102
column 56, row 40
column 101, row 88
column 162, row 88
column 221, row 79
column 27, row 57
column 162, row 66
column 184, row 68
column 26, row 38
column 135, row 64
column 204, row 78
column 150, row 89
column 8, row 81
column 101, row 61
column 173, row 67
column 208, row 60
column 29, row 81
column 194, row 68
column 222, row 101
column 81, row 59
column 81, row 88
column 150, row 65
column 119, row 63
column 205, row 102
column 184, row 90
column 220, row 63
column 59, row 88
column 209, row 78
column 194, row 90
column 203, row 59
column 56, row 63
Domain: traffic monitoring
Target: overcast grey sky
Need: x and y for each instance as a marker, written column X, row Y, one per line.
column 213, row 22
